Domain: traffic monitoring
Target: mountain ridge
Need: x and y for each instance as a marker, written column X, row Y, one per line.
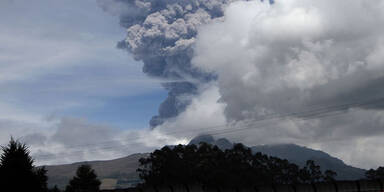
column 121, row 172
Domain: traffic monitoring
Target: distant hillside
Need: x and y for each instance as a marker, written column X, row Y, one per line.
column 295, row 154
column 117, row 173
column 299, row 155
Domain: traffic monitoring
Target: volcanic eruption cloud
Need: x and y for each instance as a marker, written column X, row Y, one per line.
column 288, row 71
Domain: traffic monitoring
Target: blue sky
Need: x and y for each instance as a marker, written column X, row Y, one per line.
column 58, row 59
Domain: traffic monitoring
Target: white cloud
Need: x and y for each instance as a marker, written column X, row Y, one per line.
column 294, row 56
column 204, row 114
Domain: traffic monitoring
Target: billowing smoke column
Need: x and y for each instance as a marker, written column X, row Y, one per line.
column 162, row 35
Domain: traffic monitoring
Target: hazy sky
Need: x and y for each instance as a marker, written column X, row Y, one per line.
column 59, row 60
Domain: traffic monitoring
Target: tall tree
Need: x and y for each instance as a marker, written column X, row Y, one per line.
column 17, row 171
column 84, row 181
column 329, row 175
column 311, row 173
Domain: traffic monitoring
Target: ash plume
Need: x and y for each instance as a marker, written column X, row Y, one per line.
column 161, row 34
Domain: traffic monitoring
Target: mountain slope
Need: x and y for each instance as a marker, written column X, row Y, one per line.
column 113, row 173
column 295, row 154
column 299, row 155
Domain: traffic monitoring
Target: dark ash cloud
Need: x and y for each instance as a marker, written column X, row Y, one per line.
column 161, row 34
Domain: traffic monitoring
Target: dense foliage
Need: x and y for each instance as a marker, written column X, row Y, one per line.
column 210, row 166
column 17, row 171
column 54, row 189
column 84, row 181
column 375, row 174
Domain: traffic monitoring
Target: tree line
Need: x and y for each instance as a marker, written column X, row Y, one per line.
column 205, row 164
column 208, row 165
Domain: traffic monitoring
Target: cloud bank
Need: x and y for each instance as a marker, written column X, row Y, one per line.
column 294, row 56
column 67, row 140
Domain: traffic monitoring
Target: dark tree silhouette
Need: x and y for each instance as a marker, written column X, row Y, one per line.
column 84, row 181
column 17, row 171
column 211, row 167
column 54, row 189
column 375, row 174
column 311, row 173
column 329, row 175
